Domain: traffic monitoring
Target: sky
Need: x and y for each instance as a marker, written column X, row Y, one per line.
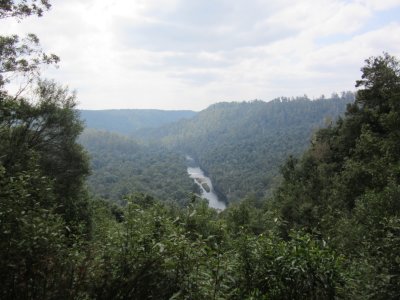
column 189, row 54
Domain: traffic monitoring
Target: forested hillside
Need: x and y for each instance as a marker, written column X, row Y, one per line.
column 126, row 121
column 121, row 166
column 242, row 145
column 346, row 186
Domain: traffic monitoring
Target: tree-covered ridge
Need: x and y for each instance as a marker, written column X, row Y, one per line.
column 241, row 145
column 121, row 166
column 127, row 121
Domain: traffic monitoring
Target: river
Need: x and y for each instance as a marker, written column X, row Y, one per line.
column 205, row 184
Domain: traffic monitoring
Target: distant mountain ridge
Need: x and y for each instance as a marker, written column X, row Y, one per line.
column 126, row 121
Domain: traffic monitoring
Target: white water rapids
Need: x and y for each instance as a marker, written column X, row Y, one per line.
column 202, row 180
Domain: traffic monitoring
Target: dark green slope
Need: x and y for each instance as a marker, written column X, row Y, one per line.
column 125, row 121
column 242, row 145
column 121, row 166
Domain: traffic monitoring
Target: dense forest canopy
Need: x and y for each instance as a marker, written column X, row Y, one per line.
column 121, row 166
column 330, row 230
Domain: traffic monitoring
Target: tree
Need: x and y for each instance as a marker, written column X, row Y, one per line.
column 44, row 126
column 47, row 128
column 381, row 84
column 23, row 8
column 346, row 186
column 22, row 57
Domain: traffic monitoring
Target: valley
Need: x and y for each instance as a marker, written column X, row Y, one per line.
column 239, row 145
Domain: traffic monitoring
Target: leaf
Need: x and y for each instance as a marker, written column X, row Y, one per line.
column 175, row 296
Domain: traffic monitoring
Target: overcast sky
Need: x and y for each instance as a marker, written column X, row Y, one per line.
column 188, row 54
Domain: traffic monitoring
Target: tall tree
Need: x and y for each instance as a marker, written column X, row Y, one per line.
column 44, row 127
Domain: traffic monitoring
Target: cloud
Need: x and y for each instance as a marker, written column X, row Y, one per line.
column 175, row 54
column 200, row 25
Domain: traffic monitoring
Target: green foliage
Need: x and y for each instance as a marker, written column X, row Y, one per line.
column 33, row 240
column 301, row 268
column 346, row 186
column 121, row 166
column 47, row 130
column 245, row 216
column 22, row 57
column 189, row 254
column 147, row 250
column 44, row 211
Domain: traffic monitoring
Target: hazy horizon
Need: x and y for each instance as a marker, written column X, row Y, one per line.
column 199, row 110
column 187, row 55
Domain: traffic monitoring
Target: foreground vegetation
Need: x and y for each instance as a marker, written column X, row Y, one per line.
column 331, row 229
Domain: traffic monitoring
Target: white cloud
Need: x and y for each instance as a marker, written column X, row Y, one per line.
column 379, row 4
column 175, row 54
